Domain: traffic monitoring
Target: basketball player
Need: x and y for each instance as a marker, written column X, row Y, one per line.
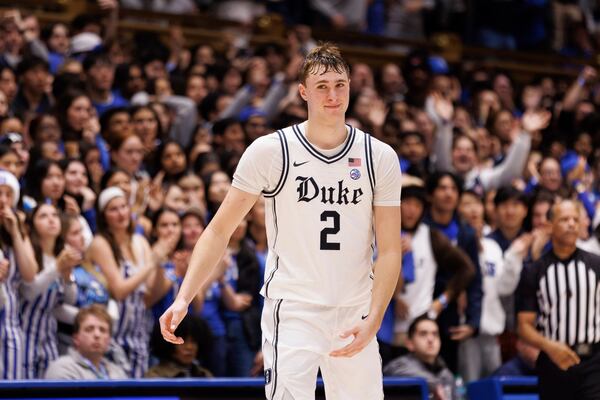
column 329, row 190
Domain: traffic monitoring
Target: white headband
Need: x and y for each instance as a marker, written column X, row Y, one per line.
column 107, row 195
column 8, row 179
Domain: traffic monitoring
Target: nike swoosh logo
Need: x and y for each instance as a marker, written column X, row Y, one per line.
column 297, row 164
column 364, row 317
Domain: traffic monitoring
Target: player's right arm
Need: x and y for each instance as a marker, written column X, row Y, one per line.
column 208, row 251
column 259, row 169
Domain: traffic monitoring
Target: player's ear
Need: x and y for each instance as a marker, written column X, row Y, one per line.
column 302, row 91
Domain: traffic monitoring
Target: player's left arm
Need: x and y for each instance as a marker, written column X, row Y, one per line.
column 386, row 271
column 386, row 212
column 389, row 260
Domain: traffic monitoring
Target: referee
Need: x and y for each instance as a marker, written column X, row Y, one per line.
column 558, row 305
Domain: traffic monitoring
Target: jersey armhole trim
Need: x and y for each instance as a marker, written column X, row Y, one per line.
column 369, row 158
column 286, row 166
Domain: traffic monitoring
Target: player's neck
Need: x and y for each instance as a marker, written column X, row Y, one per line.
column 326, row 135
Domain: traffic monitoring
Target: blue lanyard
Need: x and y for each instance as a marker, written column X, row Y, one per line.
column 101, row 373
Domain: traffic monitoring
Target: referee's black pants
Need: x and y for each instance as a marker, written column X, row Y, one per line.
column 580, row 382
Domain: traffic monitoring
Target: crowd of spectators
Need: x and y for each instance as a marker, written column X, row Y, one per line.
column 570, row 27
column 114, row 156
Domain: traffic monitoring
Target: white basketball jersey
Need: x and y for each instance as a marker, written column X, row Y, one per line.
column 319, row 219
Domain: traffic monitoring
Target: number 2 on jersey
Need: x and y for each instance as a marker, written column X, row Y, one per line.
column 330, row 230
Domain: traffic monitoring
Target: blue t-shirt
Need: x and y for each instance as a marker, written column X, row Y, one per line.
column 115, row 101
column 211, row 310
column 89, row 289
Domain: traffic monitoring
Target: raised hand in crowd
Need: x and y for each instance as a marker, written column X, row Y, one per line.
column 90, row 129
column 541, row 236
column 443, row 108
column 68, row 259
column 534, row 121
column 71, row 206
column 156, row 194
column 163, row 247
column 522, row 244
column 9, row 219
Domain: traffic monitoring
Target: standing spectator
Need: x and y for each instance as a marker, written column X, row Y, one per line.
column 427, row 252
column 32, row 98
column 8, row 83
column 57, row 40
column 78, row 122
column 16, row 248
column 479, row 356
column 132, row 272
column 100, row 75
column 558, row 307
column 92, row 332
column 54, row 284
column 456, row 324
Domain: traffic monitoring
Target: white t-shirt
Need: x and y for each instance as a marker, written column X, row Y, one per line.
column 319, row 212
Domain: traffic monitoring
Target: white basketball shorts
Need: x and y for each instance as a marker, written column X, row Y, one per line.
column 297, row 340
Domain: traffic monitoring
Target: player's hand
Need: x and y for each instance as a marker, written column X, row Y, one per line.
column 562, row 355
column 461, row 332
column 363, row 333
column 171, row 319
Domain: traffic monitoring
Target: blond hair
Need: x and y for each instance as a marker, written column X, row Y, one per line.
column 322, row 59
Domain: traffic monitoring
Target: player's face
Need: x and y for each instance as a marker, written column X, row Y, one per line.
column 327, row 94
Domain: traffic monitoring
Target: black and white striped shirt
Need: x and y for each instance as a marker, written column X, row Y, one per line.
column 565, row 294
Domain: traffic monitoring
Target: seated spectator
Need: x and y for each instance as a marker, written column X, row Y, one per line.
column 424, row 360
column 523, row 364
column 91, row 339
column 182, row 361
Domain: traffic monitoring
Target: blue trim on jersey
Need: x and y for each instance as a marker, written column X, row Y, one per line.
column 276, row 256
column 369, row 161
column 316, row 153
column 286, row 166
column 275, row 341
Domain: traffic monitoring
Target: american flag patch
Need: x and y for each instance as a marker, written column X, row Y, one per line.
column 354, row 162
